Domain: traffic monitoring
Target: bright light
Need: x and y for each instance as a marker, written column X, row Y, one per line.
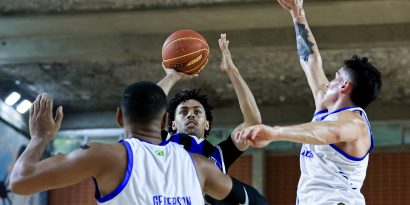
column 23, row 106
column 12, row 98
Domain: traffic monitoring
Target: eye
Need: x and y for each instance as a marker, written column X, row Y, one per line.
column 197, row 112
column 183, row 112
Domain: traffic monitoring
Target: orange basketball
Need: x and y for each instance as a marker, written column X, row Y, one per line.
column 185, row 51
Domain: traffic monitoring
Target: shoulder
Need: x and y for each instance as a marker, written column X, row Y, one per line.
column 101, row 153
column 353, row 117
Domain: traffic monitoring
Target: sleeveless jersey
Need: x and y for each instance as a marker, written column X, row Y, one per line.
column 156, row 175
column 200, row 146
column 329, row 176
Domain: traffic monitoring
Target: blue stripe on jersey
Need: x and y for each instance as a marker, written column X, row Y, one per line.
column 347, row 155
column 320, row 112
column 341, row 151
column 336, row 111
column 192, row 146
column 124, row 181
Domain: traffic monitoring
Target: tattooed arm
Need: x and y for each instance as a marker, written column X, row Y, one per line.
column 308, row 51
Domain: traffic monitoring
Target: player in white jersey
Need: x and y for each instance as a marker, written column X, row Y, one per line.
column 142, row 169
column 336, row 144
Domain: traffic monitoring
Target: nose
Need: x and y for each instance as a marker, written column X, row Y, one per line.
column 190, row 114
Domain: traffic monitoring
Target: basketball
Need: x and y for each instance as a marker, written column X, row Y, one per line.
column 185, row 51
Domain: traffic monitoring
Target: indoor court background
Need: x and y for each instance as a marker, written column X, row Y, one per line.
column 84, row 52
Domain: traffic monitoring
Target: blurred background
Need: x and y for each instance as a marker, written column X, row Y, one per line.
column 84, row 53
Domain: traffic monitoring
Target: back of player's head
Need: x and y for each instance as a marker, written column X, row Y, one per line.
column 143, row 102
column 366, row 80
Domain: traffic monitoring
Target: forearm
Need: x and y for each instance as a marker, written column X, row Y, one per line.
column 309, row 55
column 25, row 166
column 306, row 43
column 168, row 82
column 310, row 133
column 247, row 103
column 30, row 156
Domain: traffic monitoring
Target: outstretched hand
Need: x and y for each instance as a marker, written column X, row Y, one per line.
column 42, row 124
column 178, row 75
column 226, row 62
column 295, row 7
column 256, row 136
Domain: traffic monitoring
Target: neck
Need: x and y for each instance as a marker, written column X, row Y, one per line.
column 147, row 133
column 342, row 103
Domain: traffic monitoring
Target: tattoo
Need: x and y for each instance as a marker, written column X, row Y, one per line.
column 303, row 44
column 84, row 146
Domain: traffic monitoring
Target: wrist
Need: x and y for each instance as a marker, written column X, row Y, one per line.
column 298, row 15
column 232, row 71
column 39, row 139
column 276, row 133
column 173, row 77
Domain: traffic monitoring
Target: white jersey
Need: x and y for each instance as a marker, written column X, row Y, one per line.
column 156, row 175
column 329, row 176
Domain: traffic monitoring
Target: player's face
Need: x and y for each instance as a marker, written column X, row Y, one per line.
column 190, row 119
column 334, row 87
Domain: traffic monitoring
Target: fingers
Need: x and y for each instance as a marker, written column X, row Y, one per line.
column 59, row 117
column 223, row 43
column 43, row 102
column 31, row 112
column 244, row 135
column 36, row 105
column 49, row 105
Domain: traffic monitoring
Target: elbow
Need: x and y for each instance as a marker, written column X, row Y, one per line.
column 256, row 119
column 19, row 186
column 19, row 180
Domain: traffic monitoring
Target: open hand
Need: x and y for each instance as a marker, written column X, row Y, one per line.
column 42, row 124
column 226, row 62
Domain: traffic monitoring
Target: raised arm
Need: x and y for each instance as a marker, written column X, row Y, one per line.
column 308, row 51
column 247, row 103
column 30, row 175
column 171, row 78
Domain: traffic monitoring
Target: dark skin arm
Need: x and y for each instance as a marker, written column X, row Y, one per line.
column 30, row 175
column 213, row 182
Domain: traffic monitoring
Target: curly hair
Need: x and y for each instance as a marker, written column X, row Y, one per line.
column 183, row 96
column 366, row 80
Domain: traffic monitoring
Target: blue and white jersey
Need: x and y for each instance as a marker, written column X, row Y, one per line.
column 329, row 176
column 156, row 175
column 200, row 146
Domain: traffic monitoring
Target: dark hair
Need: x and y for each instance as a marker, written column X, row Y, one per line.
column 189, row 95
column 143, row 102
column 366, row 80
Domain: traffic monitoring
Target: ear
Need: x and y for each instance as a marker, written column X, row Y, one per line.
column 347, row 87
column 164, row 121
column 207, row 125
column 120, row 120
column 174, row 126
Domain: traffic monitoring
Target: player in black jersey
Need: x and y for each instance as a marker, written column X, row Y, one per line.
column 190, row 113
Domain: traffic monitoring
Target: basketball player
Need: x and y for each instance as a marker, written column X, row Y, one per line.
column 141, row 169
column 190, row 113
column 337, row 143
